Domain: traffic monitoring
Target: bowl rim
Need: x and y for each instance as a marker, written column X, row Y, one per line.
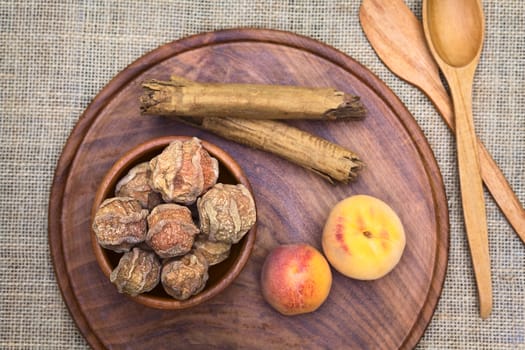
column 122, row 165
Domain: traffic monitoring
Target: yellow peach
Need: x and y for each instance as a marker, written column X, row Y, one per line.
column 363, row 238
column 295, row 279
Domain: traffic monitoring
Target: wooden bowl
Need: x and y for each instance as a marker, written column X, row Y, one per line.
column 220, row 275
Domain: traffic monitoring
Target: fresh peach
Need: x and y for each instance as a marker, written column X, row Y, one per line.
column 295, row 279
column 363, row 238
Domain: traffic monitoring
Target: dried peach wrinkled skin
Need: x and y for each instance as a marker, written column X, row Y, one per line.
column 120, row 223
column 226, row 213
column 183, row 171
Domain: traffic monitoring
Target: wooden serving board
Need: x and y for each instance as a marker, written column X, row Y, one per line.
column 292, row 203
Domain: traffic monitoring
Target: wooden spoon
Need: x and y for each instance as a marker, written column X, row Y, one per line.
column 455, row 31
column 398, row 39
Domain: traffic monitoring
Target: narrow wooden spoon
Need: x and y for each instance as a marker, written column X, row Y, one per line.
column 454, row 31
column 398, row 39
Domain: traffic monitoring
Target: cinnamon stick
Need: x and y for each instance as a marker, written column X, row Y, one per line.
column 183, row 97
column 327, row 159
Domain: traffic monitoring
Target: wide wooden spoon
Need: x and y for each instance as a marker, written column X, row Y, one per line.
column 398, row 39
column 454, row 31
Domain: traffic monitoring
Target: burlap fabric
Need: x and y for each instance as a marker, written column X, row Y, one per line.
column 56, row 56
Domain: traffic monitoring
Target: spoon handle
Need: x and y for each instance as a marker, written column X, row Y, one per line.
column 473, row 201
column 492, row 176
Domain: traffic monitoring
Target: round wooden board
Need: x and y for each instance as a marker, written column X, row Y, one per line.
column 292, row 203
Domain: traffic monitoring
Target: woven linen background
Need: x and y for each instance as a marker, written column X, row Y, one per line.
column 57, row 55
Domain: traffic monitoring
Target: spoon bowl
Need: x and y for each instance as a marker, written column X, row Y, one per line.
column 454, row 31
column 457, row 38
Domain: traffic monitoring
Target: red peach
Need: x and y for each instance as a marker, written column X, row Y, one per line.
column 295, row 279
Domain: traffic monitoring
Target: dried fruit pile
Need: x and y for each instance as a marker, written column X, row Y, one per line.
column 150, row 222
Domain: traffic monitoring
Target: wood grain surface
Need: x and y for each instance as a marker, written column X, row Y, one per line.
column 292, row 204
